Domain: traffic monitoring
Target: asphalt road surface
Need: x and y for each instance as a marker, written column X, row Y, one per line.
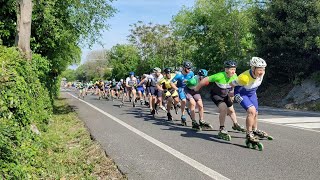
column 144, row 147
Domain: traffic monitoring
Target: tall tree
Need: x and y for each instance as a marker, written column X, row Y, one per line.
column 156, row 44
column 24, row 15
column 214, row 31
column 287, row 35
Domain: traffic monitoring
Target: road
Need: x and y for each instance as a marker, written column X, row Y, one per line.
column 144, row 147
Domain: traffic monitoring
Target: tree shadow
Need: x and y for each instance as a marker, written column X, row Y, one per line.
column 63, row 109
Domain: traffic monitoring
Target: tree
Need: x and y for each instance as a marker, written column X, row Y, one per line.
column 69, row 74
column 156, row 44
column 287, row 35
column 24, row 14
column 124, row 58
column 214, row 31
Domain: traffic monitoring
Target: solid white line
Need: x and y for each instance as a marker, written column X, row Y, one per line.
column 307, row 125
column 293, row 120
column 204, row 169
column 284, row 125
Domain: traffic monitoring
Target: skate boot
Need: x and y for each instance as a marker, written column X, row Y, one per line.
column 169, row 117
column 179, row 105
column 141, row 102
column 183, row 120
column 176, row 108
column 146, row 103
column 253, row 140
column 195, row 126
column 188, row 111
column 205, row 125
column 133, row 104
column 153, row 112
column 261, row 134
column 223, row 134
column 238, row 127
column 163, row 108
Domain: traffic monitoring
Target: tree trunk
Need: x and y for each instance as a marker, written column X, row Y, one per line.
column 24, row 15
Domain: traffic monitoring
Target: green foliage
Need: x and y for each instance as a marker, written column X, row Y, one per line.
column 156, row 45
column 124, row 58
column 316, row 77
column 214, row 31
column 23, row 101
column 57, row 30
column 287, row 36
column 69, row 74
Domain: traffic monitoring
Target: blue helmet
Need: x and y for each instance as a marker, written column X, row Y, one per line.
column 131, row 73
column 203, row 72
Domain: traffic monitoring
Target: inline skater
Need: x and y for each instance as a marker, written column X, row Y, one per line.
column 131, row 83
column 194, row 98
column 180, row 79
column 170, row 94
column 220, row 95
column 245, row 94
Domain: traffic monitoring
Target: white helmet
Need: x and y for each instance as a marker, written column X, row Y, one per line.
column 156, row 70
column 121, row 80
column 257, row 62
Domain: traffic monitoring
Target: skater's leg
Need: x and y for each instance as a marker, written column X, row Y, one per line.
column 192, row 107
column 251, row 115
column 222, row 113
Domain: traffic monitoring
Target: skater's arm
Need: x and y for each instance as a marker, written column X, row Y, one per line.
column 174, row 80
column 203, row 82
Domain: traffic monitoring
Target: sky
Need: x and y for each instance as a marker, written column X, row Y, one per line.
column 130, row 12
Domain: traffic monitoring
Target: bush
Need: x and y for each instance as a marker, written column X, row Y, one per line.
column 24, row 101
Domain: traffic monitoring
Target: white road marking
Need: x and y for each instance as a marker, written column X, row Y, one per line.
column 307, row 125
column 294, row 120
column 274, row 121
column 204, row 169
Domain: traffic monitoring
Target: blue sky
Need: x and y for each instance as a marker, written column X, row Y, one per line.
column 131, row 11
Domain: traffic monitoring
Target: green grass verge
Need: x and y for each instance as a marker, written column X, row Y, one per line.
column 70, row 153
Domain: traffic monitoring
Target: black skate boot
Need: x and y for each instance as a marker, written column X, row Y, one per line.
column 261, row 134
column 253, row 140
column 205, row 125
column 195, row 126
column 238, row 127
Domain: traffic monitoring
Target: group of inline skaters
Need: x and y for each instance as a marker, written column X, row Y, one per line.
column 168, row 90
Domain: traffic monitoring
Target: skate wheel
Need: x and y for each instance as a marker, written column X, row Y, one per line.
column 270, row 138
column 254, row 146
column 260, row 146
column 228, row 138
column 247, row 143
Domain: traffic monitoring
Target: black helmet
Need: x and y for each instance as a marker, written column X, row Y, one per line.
column 167, row 70
column 187, row 64
column 230, row 64
column 203, row 72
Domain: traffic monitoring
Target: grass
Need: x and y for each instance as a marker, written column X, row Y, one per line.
column 70, row 153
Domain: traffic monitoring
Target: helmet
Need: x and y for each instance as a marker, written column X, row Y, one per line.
column 156, row 69
column 187, row 64
column 121, row 80
column 137, row 77
column 230, row 64
column 113, row 80
column 257, row 62
column 167, row 70
column 131, row 73
column 203, row 72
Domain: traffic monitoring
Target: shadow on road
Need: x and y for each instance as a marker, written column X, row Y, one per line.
column 176, row 126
